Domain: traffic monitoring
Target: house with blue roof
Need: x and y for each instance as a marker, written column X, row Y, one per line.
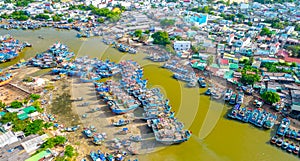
column 196, row 19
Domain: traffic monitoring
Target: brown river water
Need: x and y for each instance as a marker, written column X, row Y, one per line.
column 214, row 138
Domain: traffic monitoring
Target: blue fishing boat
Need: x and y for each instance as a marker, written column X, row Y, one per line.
column 88, row 133
column 291, row 133
column 261, row 119
column 228, row 94
column 240, row 98
column 121, row 122
column 273, row 139
column 208, row 92
column 283, row 127
column 298, row 135
column 284, row 145
column 98, row 156
column 98, row 139
column 122, row 109
column 247, row 116
column 201, row 82
column 290, row 148
column 233, row 113
column 232, row 100
column 269, row 123
column 296, row 150
column 254, row 117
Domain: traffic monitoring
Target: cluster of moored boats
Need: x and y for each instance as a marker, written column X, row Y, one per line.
column 133, row 92
column 53, row 57
column 284, row 131
column 258, row 117
column 228, row 95
column 88, row 70
column 157, row 55
column 182, row 72
column 127, row 94
column 10, row 47
column 124, row 48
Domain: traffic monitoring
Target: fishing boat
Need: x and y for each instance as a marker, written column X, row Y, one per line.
column 122, row 108
column 247, row 116
column 136, row 138
column 121, row 122
column 208, row 92
column 98, row 156
column 71, row 129
column 291, row 133
column 290, row 148
column 284, row 145
column 234, row 111
column 227, row 94
column 279, row 142
column 283, row 127
column 98, row 139
column 261, row 119
column 273, row 139
column 240, row 98
column 232, row 99
column 88, row 133
column 269, row 123
column 169, row 131
column 216, row 94
column 298, row 135
column 201, row 82
column 296, row 150
column 5, row 78
column 254, row 117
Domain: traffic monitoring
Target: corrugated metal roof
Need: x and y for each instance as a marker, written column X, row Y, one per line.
column 7, row 138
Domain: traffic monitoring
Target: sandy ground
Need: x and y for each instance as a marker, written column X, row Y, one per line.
column 102, row 120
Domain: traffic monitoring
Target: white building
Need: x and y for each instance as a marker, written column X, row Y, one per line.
column 34, row 143
column 182, row 45
column 8, row 138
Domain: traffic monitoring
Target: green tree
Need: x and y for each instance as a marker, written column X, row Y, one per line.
column 161, row 38
column 42, row 16
column 70, row 20
column 270, row 97
column 138, row 33
column 146, row 32
column 34, row 96
column 294, row 64
column 16, row 104
column 69, row 151
column 56, row 18
column 266, row 31
column 100, row 20
column 34, row 127
column 250, row 78
column 9, row 117
column 2, row 105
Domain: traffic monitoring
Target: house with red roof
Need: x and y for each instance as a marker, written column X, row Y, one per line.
column 285, row 55
column 224, row 63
